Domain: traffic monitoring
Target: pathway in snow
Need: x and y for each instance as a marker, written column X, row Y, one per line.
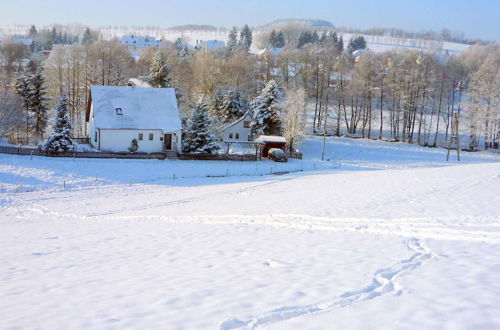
column 383, row 282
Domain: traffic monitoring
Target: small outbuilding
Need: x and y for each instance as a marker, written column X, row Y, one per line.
column 118, row 114
column 238, row 131
column 270, row 141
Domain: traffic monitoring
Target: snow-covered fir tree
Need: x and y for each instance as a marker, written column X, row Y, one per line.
column 60, row 139
column 246, row 37
column 159, row 71
column 266, row 109
column 181, row 47
column 233, row 106
column 227, row 105
column 38, row 104
column 198, row 137
column 232, row 42
column 30, row 86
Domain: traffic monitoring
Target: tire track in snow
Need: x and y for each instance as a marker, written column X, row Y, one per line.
column 383, row 283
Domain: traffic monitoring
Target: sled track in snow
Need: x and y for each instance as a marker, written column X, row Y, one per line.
column 383, row 283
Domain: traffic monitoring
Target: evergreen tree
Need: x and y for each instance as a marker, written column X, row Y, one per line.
column 305, row 37
column 214, row 106
column 198, row 137
column 323, row 38
column 181, row 48
column 52, row 37
column 314, row 37
column 38, row 103
column 33, row 33
column 272, row 39
column 232, row 42
column 23, row 90
column 246, row 37
column 356, row 43
column 266, row 110
column 233, row 106
column 87, row 37
column 31, row 87
column 60, row 139
column 340, row 44
column 280, row 40
column 159, row 71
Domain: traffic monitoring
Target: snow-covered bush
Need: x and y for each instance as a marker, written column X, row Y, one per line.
column 133, row 145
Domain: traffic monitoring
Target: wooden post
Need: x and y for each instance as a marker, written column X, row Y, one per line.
column 454, row 137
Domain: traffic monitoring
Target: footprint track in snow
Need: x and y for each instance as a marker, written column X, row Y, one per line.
column 383, row 283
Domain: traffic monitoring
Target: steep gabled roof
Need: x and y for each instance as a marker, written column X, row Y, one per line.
column 247, row 114
column 141, row 108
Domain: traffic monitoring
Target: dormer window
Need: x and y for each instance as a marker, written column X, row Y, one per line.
column 119, row 111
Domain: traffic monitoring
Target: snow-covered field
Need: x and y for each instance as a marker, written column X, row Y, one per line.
column 382, row 235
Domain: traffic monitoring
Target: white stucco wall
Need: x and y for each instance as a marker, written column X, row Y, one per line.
column 112, row 140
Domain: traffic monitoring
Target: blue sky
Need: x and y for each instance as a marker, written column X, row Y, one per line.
column 476, row 18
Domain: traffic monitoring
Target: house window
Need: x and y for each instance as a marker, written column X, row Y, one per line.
column 119, row 111
column 150, row 136
column 95, row 136
column 237, row 136
column 247, row 124
column 230, row 135
column 140, row 136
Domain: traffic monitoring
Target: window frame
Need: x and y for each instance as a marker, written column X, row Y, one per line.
column 237, row 136
column 247, row 123
column 230, row 135
column 151, row 136
column 141, row 136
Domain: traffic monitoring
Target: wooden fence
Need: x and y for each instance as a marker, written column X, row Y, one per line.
column 242, row 157
column 27, row 151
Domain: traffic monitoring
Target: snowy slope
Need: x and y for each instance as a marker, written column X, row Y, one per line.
column 392, row 239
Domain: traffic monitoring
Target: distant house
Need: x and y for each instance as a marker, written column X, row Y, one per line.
column 28, row 42
column 118, row 114
column 212, row 45
column 140, row 41
column 238, row 131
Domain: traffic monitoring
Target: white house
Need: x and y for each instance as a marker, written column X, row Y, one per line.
column 118, row 114
column 239, row 131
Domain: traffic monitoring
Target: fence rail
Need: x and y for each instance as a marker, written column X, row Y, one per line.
column 27, row 151
column 242, row 157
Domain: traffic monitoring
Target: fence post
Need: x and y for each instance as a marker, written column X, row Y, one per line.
column 174, row 176
column 64, row 184
column 31, row 155
column 129, row 180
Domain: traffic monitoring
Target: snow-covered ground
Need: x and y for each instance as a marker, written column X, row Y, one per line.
column 383, row 235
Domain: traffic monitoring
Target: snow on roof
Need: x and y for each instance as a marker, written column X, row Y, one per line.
column 271, row 138
column 141, row 108
column 246, row 115
column 359, row 52
column 138, row 82
column 273, row 51
column 23, row 41
column 140, row 41
column 210, row 44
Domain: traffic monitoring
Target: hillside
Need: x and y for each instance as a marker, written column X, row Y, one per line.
column 394, row 236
